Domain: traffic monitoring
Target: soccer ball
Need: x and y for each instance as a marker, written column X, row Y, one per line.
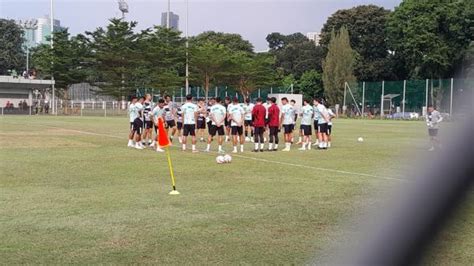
column 360, row 139
column 227, row 158
column 220, row 159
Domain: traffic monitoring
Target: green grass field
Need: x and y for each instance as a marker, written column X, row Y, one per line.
column 72, row 192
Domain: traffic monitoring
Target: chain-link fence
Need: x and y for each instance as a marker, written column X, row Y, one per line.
column 399, row 99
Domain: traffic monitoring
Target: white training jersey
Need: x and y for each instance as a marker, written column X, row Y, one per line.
column 132, row 112
column 307, row 115
column 322, row 112
column 331, row 114
column 218, row 112
column 208, row 113
column 179, row 114
column 266, row 105
column 237, row 114
column 248, row 108
column 288, row 112
column 138, row 110
column 157, row 112
column 433, row 119
column 317, row 115
column 189, row 111
column 169, row 111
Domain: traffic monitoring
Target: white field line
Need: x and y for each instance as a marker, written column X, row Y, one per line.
column 253, row 158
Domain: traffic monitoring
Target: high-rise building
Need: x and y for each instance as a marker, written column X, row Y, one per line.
column 43, row 31
column 174, row 20
column 38, row 31
column 314, row 36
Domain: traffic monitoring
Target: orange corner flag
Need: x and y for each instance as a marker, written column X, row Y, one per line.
column 163, row 139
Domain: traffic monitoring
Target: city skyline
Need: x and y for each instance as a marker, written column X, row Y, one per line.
column 243, row 17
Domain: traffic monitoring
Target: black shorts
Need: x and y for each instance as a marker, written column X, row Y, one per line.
column 201, row 124
column 292, row 127
column 316, row 129
column 148, row 124
column 226, row 123
column 248, row 123
column 236, row 130
column 138, row 125
column 179, row 125
column 433, row 132
column 323, row 128
column 131, row 125
column 189, row 130
column 306, row 130
column 213, row 129
column 258, row 130
column 329, row 129
column 170, row 124
column 288, row 128
column 274, row 131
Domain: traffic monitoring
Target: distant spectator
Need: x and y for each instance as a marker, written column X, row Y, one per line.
column 25, row 105
column 25, row 74
column 20, row 105
column 46, row 107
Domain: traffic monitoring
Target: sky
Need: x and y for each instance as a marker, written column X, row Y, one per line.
column 253, row 19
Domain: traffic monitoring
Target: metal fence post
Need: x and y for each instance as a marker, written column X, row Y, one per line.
column 30, row 109
column 404, row 92
column 426, row 95
column 2, row 111
column 451, row 98
column 344, row 100
column 381, row 103
column 82, row 106
column 216, row 92
column 363, row 98
column 258, row 93
column 104, row 105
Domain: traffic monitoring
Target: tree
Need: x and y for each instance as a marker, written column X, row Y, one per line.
column 116, row 57
column 338, row 67
column 295, row 54
column 248, row 72
column 162, row 57
column 431, row 37
column 311, row 84
column 367, row 29
column 12, row 55
column 67, row 61
column 234, row 42
column 209, row 62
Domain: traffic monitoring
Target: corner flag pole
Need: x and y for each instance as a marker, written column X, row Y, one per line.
column 164, row 141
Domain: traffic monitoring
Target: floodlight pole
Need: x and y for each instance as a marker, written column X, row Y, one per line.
column 187, row 47
column 53, row 106
column 168, row 15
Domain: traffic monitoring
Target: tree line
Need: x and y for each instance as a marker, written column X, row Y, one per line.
column 418, row 40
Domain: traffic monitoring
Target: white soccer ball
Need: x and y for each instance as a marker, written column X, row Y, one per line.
column 220, row 159
column 227, row 158
column 360, row 139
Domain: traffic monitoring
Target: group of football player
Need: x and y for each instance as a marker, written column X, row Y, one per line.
column 230, row 121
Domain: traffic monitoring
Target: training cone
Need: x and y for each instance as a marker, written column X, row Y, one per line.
column 163, row 140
